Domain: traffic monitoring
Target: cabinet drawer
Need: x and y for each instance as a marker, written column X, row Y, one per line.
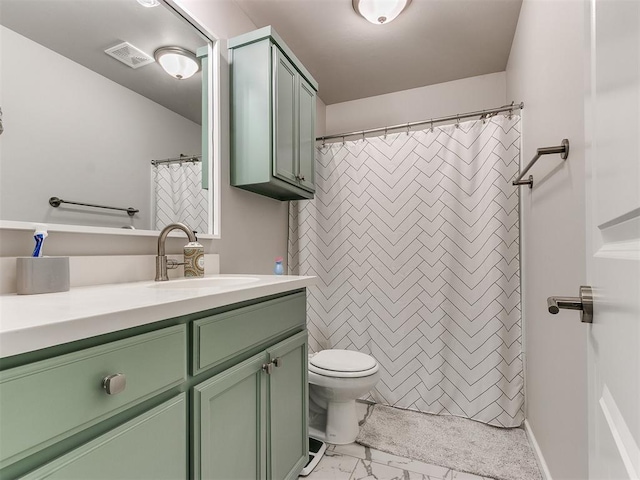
column 220, row 337
column 151, row 446
column 44, row 402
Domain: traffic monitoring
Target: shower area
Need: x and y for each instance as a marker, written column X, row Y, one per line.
column 178, row 194
column 414, row 237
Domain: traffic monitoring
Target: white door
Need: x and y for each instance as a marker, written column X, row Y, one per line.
column 613, row 237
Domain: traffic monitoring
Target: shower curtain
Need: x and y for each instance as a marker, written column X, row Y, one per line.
column 414, row 239
column 179, row 196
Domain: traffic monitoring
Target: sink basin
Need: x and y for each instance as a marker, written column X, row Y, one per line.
column 205, row 282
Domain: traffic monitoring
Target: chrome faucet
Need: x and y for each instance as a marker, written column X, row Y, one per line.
column 161, row 259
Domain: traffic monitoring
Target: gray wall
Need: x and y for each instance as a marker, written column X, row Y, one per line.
column 546, row 71
column 56, row 144
column 416, row 104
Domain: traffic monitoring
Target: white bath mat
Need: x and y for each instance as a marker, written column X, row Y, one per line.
column 458, row 443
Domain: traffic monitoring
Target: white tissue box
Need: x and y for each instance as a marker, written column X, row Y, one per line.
column 42, row 275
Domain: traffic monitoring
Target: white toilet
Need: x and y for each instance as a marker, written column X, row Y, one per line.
column 336, row 379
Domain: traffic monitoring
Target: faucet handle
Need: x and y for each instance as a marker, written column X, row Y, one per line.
column 171, row 263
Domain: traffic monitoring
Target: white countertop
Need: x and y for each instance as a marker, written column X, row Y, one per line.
column 33, row 322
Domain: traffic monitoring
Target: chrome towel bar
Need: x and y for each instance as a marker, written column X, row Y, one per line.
column 562, row 149
column 56, row 202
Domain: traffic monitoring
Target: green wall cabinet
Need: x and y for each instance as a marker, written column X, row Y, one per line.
column 219, row 394
column 203, row 54
column 273, row 113
column 250, row 421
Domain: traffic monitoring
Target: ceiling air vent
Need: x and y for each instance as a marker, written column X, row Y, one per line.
column 129, row 55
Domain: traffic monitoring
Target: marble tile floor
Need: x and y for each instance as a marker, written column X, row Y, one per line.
column 356, row 462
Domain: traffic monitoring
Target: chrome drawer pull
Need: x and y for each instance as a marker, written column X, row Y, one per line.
column 277, row 362
column 267, row 368
column 114, row 384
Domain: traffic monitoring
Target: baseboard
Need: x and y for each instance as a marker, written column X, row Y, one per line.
column 538, row 453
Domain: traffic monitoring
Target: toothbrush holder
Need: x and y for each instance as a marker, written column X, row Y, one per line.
column 42, row 275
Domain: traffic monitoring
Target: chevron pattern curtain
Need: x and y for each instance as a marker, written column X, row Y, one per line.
column 179, row 196
column 414, row 239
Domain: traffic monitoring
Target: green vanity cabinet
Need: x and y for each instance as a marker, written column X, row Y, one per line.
column 152, row 446
column 229, row 423
column 273, row 112
column 217, row 394
column 287, row 415
column 250, row 421
column 45, row 402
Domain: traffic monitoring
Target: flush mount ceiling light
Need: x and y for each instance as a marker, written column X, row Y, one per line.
column 380, row 12
column 149, row 3
column 177, row 62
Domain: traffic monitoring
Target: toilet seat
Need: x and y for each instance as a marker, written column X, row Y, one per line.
column 342, row 364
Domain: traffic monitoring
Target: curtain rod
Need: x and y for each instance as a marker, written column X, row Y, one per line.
column 458, row 117
column 180, row 159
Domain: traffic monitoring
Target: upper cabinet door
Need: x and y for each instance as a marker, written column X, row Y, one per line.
column 285, row 117
column 307, row 134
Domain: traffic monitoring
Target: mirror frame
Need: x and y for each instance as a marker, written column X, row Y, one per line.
column 213, row 139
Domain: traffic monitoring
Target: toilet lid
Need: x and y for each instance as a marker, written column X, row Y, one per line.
column 343, row 361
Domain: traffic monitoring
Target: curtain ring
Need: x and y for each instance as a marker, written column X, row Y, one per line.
column 343, row 140
column 431, row 125
column 363, row 135
column 408, row 128
column 323, row 142
column 457, row 121
column 385, row 132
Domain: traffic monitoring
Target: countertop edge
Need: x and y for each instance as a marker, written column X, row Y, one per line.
column 37, row 337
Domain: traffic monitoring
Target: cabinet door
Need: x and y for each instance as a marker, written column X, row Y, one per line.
column 307, row 134
column 284, row 118
column 151, row 446
column 288, row 408
column 229, row 423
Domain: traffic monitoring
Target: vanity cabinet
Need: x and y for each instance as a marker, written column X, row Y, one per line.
column 251, row 420
column 218, row 394
column 45, row 402
column 273, row 112
column 151, row 446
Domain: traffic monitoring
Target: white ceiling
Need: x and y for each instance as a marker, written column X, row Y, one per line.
column 82, row 30
column 432, row 41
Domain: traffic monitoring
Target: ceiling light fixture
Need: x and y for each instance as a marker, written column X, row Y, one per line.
column 149, row 3
column 380, row 12
column 177, row 62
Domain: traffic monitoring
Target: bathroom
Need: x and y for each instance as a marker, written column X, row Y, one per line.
column 544, row 60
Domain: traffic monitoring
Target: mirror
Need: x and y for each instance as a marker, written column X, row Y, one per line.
column 104, row 130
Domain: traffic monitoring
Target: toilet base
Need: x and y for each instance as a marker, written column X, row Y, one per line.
column 342, row 422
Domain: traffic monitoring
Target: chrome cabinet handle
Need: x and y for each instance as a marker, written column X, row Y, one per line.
column 114, row 384
column 277, row 362
column 584, row 303
column 300, row 178
column 267, row 368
